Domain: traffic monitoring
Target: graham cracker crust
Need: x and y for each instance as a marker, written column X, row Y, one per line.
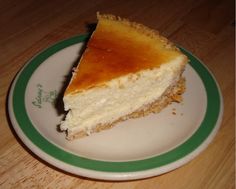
column 172, row 94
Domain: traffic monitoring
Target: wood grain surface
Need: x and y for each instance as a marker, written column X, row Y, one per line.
column 204, row 27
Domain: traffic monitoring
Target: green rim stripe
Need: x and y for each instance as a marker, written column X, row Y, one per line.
column 207, row 125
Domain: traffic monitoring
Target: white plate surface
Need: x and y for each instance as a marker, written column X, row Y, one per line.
column 134, row 149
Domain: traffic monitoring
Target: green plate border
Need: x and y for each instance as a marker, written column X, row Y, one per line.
column 201, row 134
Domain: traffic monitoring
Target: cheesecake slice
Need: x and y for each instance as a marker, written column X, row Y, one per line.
column 126, row 71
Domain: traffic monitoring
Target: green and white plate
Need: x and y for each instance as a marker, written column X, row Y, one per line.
column 137, row 148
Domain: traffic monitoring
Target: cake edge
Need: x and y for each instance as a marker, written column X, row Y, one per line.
column 152, row 33
column 172, row 94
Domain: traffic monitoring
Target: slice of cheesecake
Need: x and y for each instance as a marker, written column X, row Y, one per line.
column 126, row 71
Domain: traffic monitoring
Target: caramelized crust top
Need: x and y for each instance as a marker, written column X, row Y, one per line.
column 116, row 48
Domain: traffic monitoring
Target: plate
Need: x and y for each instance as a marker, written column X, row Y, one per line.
column 134, row 149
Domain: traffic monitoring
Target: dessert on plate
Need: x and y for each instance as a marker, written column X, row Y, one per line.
column 126, row 71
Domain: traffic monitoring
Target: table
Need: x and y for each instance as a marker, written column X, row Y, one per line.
column 205, row 27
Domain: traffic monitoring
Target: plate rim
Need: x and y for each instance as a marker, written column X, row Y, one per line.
column 111, row 170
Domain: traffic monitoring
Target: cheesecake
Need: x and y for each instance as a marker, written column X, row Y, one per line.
column 127, row 70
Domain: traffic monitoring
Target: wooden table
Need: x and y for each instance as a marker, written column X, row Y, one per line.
column 204, row 27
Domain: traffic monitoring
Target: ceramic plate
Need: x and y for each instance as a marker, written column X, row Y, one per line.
column 137, row 148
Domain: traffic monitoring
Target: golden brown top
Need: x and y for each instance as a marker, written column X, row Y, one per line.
column 116, row 48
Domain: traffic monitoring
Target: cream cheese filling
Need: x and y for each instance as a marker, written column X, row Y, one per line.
column 120, row 96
